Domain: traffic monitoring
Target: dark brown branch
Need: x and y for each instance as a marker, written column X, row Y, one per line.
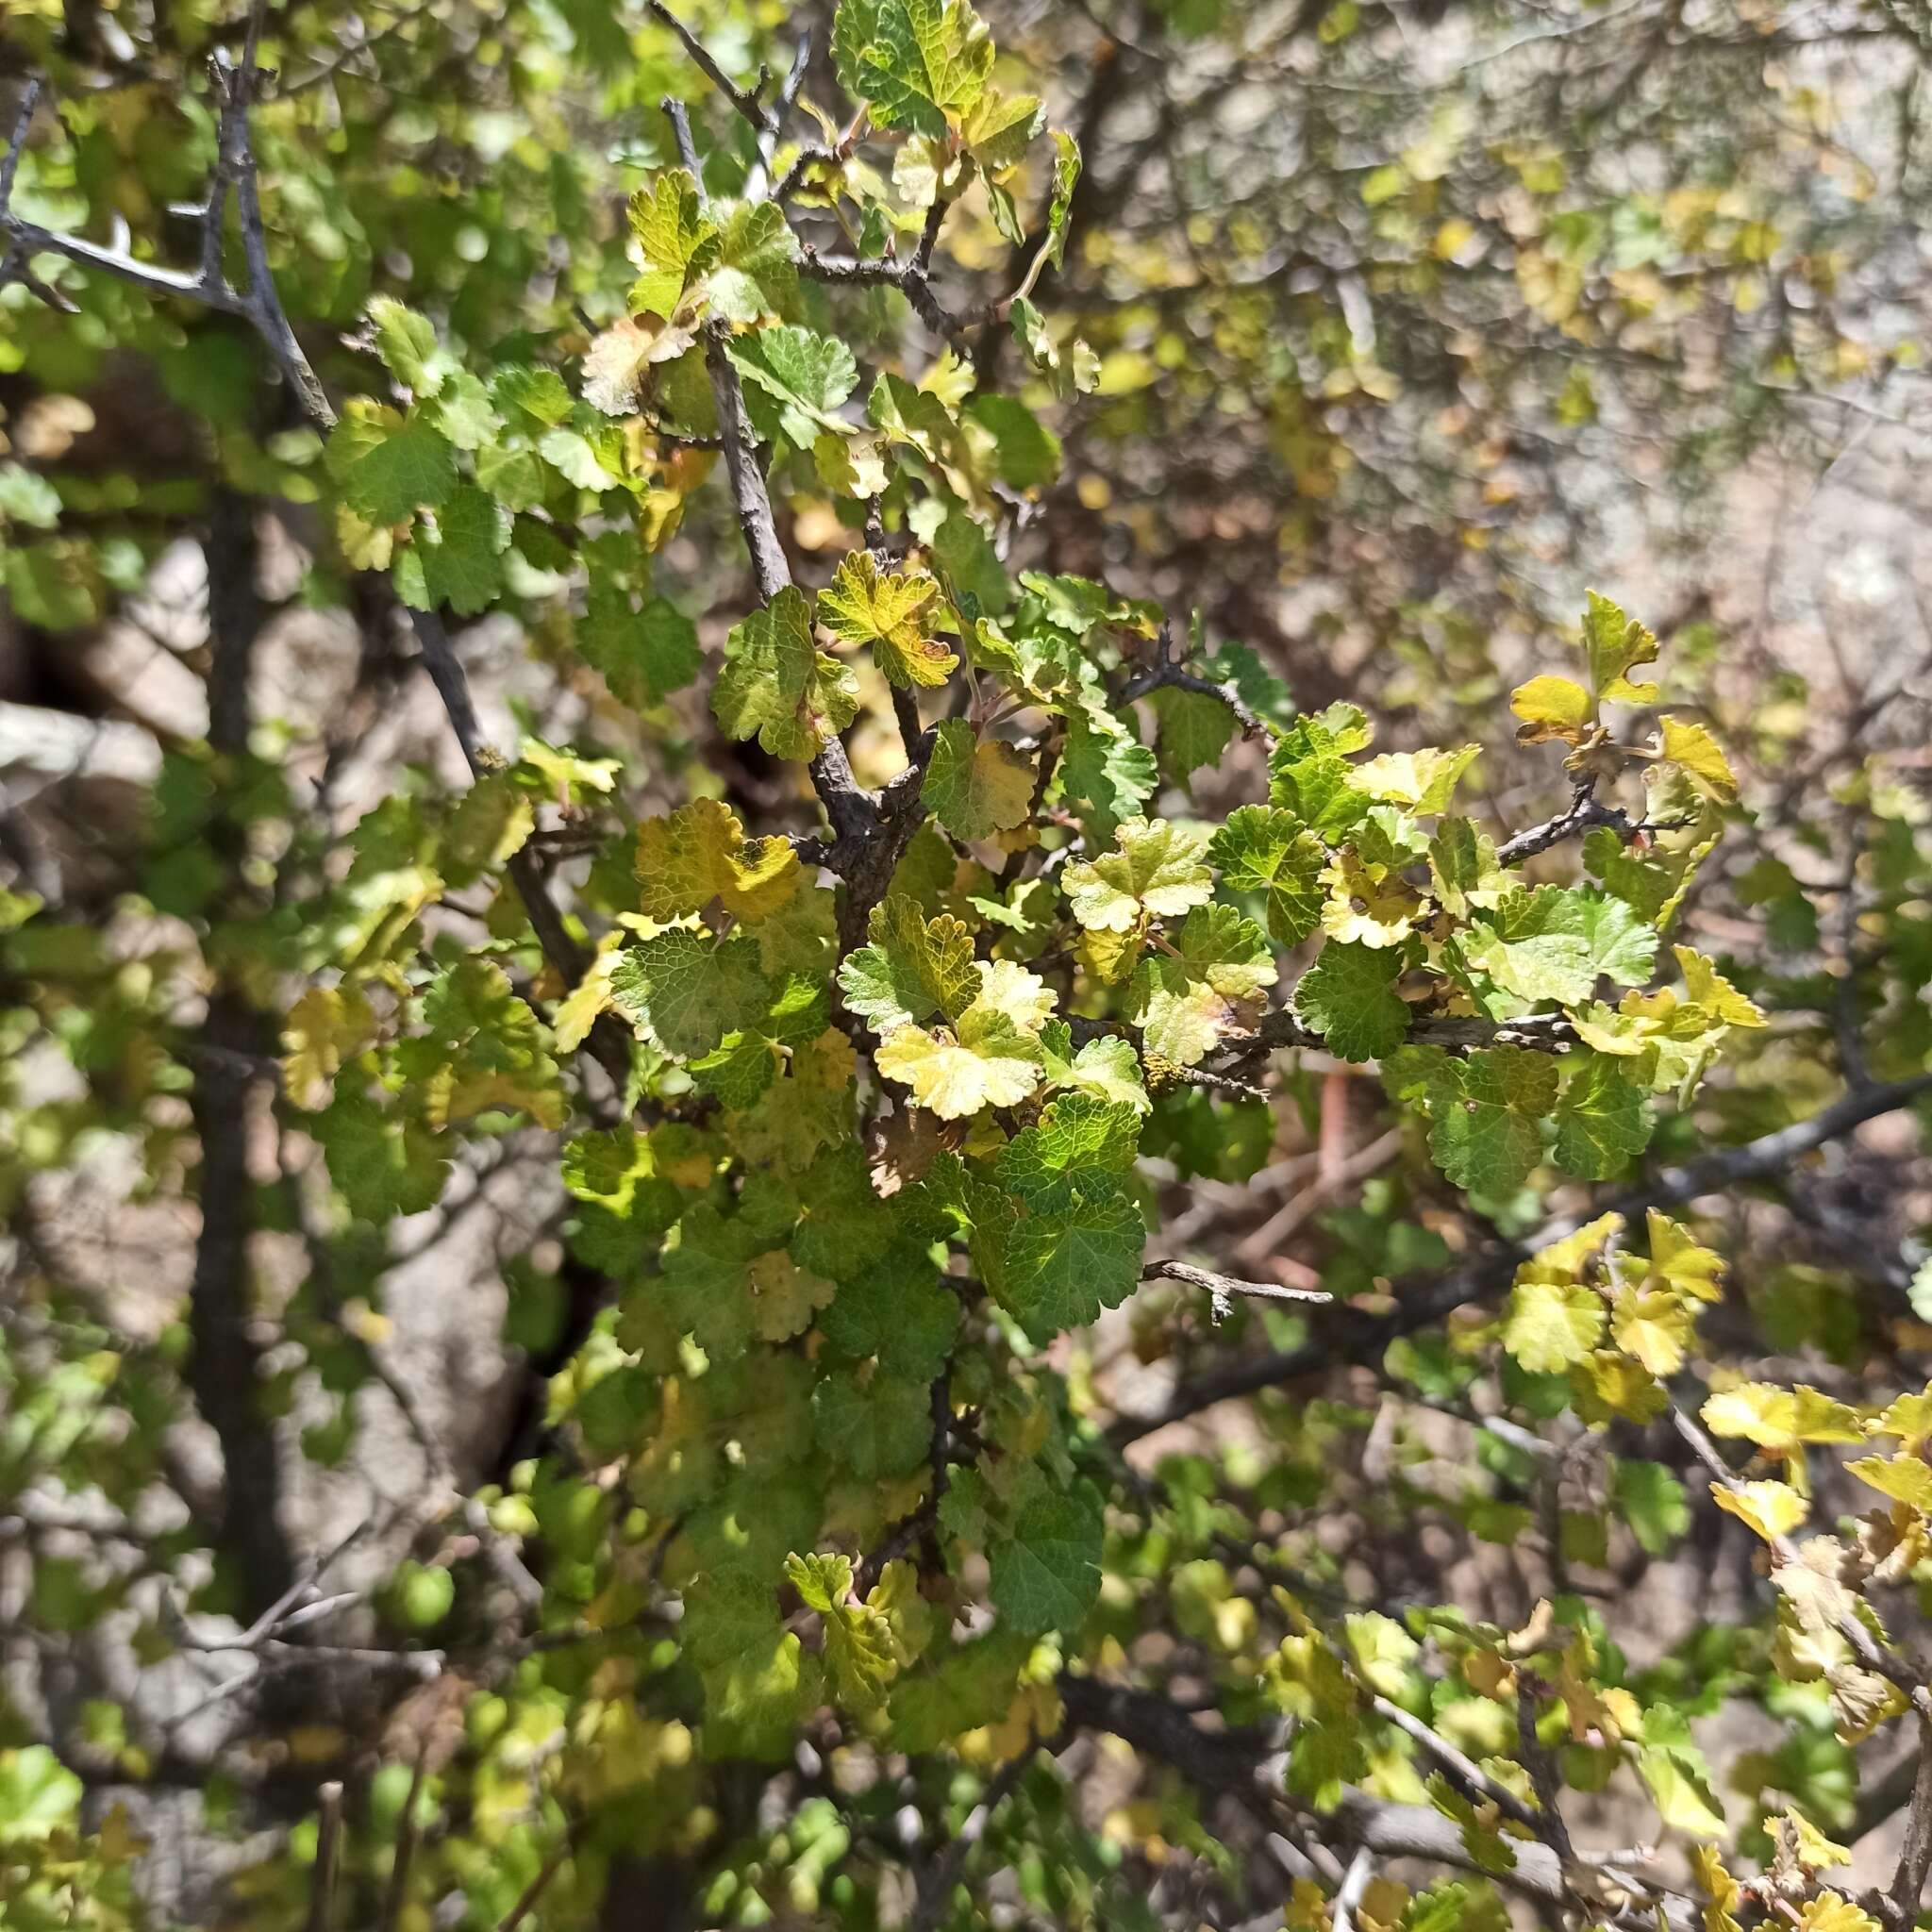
column 855, row 815
column 261, row 306
column 911, row 277
column 1580, row 815
column 225, row 1367
column 1545, row 1032
column 1171, row 677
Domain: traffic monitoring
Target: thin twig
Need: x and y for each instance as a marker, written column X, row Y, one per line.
column 1355, row 1882
column 526, row 1904
column 1221, row 1287
column 329, row 1844
column 747, row 103
column 397, row 1888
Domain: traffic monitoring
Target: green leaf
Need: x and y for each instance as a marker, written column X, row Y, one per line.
column 872, row 1424
column 1071, row 370
column 1348, row 997
column 387, row 466
column 644, row 655
column 1027, row 455
column 39, row 1795
column 689, row 988
column 753, row 276
column 1485, row 1117
column 1107, row 1068
column 406, row 343
column 1065, row 1266
column 860, row 1649
column 1652, row 1503
column 382, row 1163
column 1308, row 773
column 1046, row 1575
column 458, row 559
column 806, row 375
column 978, row 786
column 899, row 1310
column 1107, row 765
column 1603, row 1121
column 1066, row 177
column 776, row 683
column 1187, row 1000
column 676, row 242
column 28, row 498
column 920, row 63
column 913, row 969
column 1081, row 1145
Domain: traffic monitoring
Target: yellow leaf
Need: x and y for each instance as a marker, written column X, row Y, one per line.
column 1552, row 707
column 1655, row 1326
column 1815, row 1851
column 700, row 853
column 1772, row 1509
column 1831, row 1912
column 326, row 1026
column 1908, row 1418
column 1708, row 988
column 1760, row 1412
column 890, row 613
column 1904, row 1478
column 1720, row 1890
column 1566, row 1259
column 1697, row 754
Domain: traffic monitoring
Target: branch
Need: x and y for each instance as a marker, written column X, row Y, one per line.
column 1915, row 1857
column 1355, row 1883
column 508, row 1567
column 225, row 1365
column 1223, row 1286
column 911, row 278
column 1580, row 815
column 764, row 121
column 1167, row 673
column 526, row 1904
column 329, row 1844
column 1352, row 1336
column 934, row 1883
column 854, row 813
column 396, row 1892
column 1544, row 1032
